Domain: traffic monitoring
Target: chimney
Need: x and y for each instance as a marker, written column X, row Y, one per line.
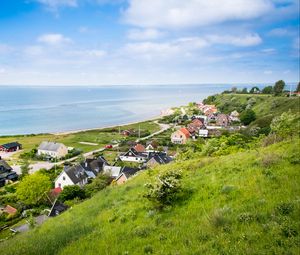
column 86, row 164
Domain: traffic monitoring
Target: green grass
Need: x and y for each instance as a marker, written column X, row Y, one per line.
column 101, row 137
column 245, row 203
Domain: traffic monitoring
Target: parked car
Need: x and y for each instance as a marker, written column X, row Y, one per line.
column 108, row 146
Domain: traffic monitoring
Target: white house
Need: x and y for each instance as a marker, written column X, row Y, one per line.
column 74, row 175
column 52, row 149
column 133, row 156
column 113, row 171
column 203, row 133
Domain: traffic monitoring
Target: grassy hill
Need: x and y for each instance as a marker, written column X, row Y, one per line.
column 244, row 203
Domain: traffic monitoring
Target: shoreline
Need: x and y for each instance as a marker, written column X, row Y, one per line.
column 68, row 132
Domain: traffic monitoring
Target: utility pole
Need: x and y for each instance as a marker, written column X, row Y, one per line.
column 139, row 131
column 290, row 90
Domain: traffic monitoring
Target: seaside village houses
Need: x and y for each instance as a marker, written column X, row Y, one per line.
column 11, row 147
column 52, row 150
column 6, row 173
column 180, row 136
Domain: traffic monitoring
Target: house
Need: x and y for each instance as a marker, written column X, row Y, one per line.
column 93, row 167
column 203, row 133
column 134, row 156
column 52, row 150
column 10, row 210
column 159, row 158
column 180, row 136
column 125, row 174
column 151, row 146
column 10, row 147
column 113, row 171
column 6, row 173
column 126, row 133
column 199, row 121
column 140, row 148
column 57, row 208
column 192, row 128
column 72, row 175
column 222, row 120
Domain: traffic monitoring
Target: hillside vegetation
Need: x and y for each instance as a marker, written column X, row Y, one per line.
column 244, row 203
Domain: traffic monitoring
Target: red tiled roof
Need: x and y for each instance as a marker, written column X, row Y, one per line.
column 10, row 210
column 197, row 122
column 185, row 132
column 56, row 191
column 139, row 148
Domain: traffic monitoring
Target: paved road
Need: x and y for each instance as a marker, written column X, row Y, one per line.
column 48, row 165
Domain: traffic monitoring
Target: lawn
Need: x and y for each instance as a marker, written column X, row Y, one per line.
column 100, row 137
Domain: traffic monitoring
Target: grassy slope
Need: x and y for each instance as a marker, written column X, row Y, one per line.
column 230, row 209
column 265, row 104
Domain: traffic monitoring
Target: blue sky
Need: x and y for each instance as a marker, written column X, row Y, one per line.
column 103, row 42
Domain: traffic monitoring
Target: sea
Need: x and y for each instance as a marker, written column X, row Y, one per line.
column 42, row 109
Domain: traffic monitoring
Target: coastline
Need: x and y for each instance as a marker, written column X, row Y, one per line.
column 104, row 127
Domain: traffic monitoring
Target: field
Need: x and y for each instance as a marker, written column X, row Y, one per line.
column 244, row 203
column 100, row 137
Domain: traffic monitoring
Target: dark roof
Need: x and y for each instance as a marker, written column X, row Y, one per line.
column 4, row 167
column 94, row 165
column 161, row 158
column 57, row 208
column 135, row 153
column 128, row 171
column 76, row 173
column 12, row 176
column 11, row 145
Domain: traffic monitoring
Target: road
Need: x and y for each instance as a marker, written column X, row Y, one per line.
column 48, row 165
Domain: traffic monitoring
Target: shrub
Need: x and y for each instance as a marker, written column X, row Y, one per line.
column 71, row 192
column 269, row 159
column 247, row 116
column 165, row 190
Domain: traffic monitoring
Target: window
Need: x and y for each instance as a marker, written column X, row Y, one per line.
column 64, row 178
column 59, row 185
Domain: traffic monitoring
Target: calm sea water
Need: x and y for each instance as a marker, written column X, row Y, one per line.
column 26, row 110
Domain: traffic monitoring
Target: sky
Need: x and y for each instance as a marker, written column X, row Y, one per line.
column 119, row 42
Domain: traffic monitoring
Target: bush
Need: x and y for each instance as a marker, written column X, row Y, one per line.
column 247, row 116
column 165, row 190
column 284, row 208
column 99, row 183
column 71, row 192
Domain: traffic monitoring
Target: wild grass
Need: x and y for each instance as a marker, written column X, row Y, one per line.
column 232, row 207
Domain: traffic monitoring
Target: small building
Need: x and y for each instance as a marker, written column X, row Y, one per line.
column 134, row 156
column 151, row 146
column 159, row 158
column 10, row 210
column 72, row 175
column 126, row 173
column 57, row 208
column 180, row 136
column 203, row 133
column 192, row 128
column 126, row 132
column 11, row 147
column 52, row 150
column 6, row 173
column 113, row 171
column 199, row 121
column 222, row 120
column 140, row 148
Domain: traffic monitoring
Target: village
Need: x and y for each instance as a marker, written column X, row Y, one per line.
column 180, row 126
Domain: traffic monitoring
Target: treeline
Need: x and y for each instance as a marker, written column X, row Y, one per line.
column 277, row 90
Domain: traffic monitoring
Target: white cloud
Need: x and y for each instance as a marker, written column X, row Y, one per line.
column 86, row 53
column 34, row 50
column 192, row 13
column 268, row 72
column 241, row 41
column 144, row 34
column 54, row 39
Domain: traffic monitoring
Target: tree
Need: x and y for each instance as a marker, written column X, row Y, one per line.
column 71, row 192
column 298, row 87
column 267, row 90
column 25, row 168
column 166, row 189
column 32, row 188
column 254, row 90
column 278, row 87
column 284, row 125
column 247, row 116
column 244, row 91
column 99, row 183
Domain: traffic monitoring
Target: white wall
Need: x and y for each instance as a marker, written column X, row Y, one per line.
column 63, row 180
